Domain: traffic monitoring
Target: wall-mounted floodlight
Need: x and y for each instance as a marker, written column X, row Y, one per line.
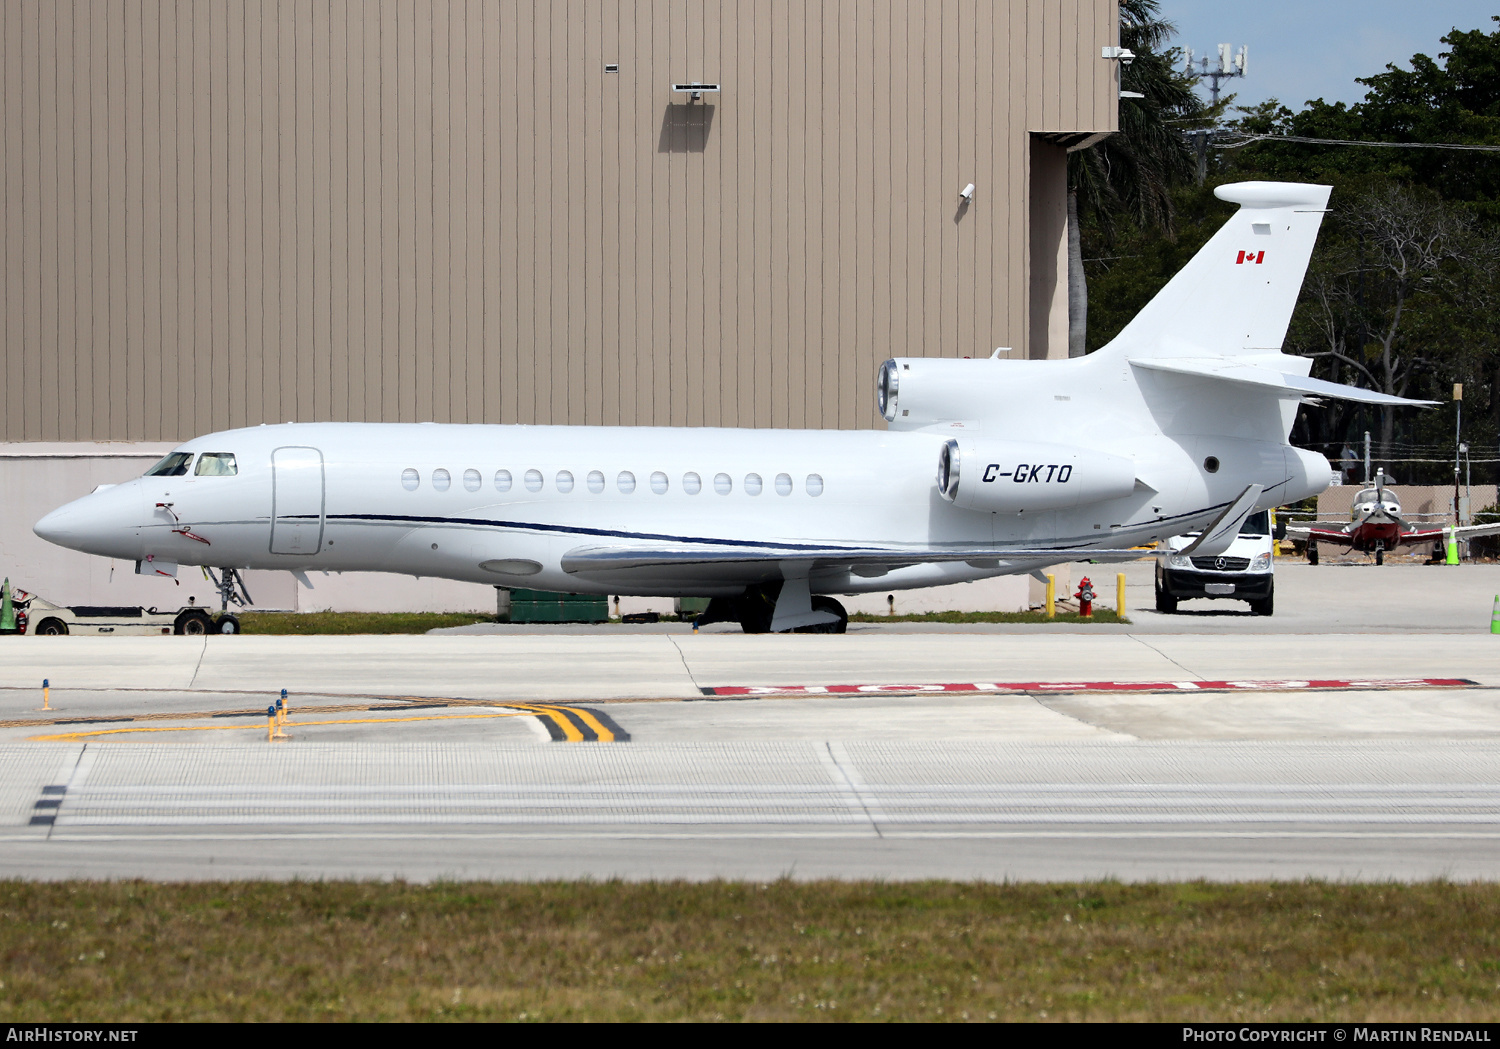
column 966, row 195
column 1123, row 55
column 694, row 90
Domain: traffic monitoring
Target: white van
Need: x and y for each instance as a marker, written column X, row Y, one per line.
column 1241, row 573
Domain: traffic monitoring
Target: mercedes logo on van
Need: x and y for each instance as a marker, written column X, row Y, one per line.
column 1219, row 563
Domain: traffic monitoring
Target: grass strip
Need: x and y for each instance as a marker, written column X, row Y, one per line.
column 1101, row 615
column 355, row 622
column 135, row 951
column 421, row 622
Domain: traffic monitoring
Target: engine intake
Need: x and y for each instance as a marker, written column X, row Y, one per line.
column 1020, row 477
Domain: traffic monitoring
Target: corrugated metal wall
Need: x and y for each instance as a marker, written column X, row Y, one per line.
column 223, row 213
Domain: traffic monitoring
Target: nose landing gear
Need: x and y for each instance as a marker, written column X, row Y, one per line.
column 231, row 587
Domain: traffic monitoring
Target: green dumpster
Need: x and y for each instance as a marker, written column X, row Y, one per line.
column 545, row 606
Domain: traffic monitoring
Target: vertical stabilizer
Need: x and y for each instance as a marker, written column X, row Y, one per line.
column 1237, row 294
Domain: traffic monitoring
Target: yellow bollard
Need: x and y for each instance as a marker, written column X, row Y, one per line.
column 46, row 694
column 1051, row 595
column 270, row 724
column 1120, row 595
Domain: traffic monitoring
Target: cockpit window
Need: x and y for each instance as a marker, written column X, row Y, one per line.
column 1257, row 524
column 174, row 465
column 216, row 464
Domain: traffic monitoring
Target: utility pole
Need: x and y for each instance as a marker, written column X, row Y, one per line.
column 1230, row 65
column 1458, row 446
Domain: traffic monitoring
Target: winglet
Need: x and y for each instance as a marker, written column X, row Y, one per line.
column 1217, row 537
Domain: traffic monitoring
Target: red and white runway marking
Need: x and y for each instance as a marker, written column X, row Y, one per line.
column 1309, row 685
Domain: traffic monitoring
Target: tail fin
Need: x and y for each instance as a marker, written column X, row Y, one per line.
column 1237, row 294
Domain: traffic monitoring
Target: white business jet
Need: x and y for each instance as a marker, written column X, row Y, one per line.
column 988, row 467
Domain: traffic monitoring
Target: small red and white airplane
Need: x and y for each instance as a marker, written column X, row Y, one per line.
column 1376, row 525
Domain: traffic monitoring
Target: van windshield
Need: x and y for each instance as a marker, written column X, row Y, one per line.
column 174, row 465
column 1257, row 524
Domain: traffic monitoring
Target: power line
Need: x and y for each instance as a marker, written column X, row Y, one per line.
column 1246, row 140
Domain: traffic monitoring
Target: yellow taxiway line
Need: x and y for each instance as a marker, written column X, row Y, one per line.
column 67, row 736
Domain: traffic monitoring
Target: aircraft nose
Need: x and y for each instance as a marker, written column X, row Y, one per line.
column 103, row 523
column 59, row 526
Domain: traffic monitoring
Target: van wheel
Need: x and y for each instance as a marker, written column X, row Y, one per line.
column 194, row 623
column 1166, row 604
column 1264, row 607
column 52, row 627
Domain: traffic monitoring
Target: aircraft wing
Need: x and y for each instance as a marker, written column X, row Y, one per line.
column 759, row 562
column 1436, row 535
column 1320, row 535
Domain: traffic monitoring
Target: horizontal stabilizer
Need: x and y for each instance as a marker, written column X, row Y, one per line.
column 1286, row 385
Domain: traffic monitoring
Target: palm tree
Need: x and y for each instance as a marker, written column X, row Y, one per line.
column 1132, row 172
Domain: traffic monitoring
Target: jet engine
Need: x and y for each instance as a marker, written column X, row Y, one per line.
column 912, row 392
column 1015, row 477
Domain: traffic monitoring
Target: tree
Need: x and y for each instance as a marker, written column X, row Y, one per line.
column 1390, row 257
column 1132, row 173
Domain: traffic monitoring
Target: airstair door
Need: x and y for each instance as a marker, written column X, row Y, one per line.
column 297, row 489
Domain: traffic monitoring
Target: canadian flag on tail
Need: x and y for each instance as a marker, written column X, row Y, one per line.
column 1256, row 257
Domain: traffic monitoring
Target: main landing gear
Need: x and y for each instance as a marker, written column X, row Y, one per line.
column 755, row 610
column 231, row 587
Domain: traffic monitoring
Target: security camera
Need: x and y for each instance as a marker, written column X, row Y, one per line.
column 967, row 194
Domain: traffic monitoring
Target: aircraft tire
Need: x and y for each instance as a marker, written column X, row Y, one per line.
column 826, row 604
column 1312, row 552
column 52, row 627
column 193, row 623
column 227, row 624
column 1380, row 555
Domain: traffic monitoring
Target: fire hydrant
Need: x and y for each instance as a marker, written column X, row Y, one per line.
column 1085, row 597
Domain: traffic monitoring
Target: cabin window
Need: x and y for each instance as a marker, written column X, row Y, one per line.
column 625, row 482
column 472, row 480
column 692, row 484
column 410, row 479
column 596, row 481
column 752, row 484
column 564, row 481
column 659, row 483
column 174, row 465
column 216, row 464
column 441, row 479
column 722, row 484
column 533, row 480
column 814, row 484
column 783, row 484
column 502, row 480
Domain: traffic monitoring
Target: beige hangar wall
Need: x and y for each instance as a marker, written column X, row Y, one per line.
column 215, row 213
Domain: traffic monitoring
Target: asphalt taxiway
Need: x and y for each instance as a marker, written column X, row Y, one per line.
column 1341, row 751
